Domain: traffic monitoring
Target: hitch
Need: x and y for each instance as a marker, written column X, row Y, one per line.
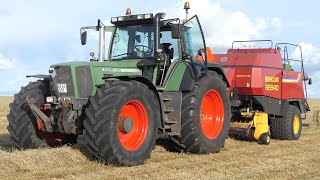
column 41, row 117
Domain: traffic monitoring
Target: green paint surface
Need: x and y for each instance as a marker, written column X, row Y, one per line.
column 122, row 68
column 175, row 77
column 100, row 69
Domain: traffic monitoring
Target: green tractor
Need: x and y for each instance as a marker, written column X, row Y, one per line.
column 155, row 83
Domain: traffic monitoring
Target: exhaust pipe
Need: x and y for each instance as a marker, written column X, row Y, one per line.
column 102, row 33
column 157, row 19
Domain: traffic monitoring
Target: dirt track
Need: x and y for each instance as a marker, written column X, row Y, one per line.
column 238, row 160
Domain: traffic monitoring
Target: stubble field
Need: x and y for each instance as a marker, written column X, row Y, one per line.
column 238, row 160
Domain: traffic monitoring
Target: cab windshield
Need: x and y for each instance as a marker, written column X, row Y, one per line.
column 133, row 42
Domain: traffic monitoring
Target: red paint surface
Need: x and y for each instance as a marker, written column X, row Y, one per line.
column 247, row 70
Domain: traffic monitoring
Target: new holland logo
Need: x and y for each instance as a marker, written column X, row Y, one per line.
column 224, row 59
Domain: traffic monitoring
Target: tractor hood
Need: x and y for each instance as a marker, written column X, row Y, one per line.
column 80, row 79
column 75, row 63
column 115, row 64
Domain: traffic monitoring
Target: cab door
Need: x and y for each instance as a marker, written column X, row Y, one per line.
column 193, row 41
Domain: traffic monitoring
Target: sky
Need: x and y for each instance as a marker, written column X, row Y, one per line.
column 35, row 34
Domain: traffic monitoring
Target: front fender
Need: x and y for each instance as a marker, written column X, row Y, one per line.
column 39, row 76
column 147, row 82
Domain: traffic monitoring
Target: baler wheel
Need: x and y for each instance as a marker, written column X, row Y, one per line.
column 265, row 138
column 289, row 126
column 205, row 116
column 121, row 123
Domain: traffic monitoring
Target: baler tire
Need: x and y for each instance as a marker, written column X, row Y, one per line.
column 265, row 138
column 282, row 128
column 22, row 126
column 193, row 138
column 101, row 134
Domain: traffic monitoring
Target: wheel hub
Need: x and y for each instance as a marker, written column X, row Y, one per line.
column 125, row 124
column 132, row 125
column 296, row 124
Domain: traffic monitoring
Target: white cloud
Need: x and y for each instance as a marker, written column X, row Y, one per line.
column 222, row 27
column 276, row 23
column 37, row 22
column 7, row 63
column 311, row 54
column 17, row 77
column 311, row 59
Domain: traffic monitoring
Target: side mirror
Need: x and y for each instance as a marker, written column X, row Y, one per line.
column 306, row 77
column 138, row 38
column 200, row 51
column 310, row 81
column 175, row 31
column 84, row 38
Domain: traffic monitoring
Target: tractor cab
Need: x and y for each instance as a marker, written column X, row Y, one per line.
column 156, row 44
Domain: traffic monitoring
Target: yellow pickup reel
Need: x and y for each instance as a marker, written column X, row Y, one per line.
column 251, row 126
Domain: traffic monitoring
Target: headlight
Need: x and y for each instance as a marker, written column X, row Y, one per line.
column 121, row 18
column 114, row 19
column 140, row 16
column 51, row 99
column 148, row 16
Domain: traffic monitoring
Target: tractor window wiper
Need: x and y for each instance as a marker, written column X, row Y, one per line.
column 122, row 54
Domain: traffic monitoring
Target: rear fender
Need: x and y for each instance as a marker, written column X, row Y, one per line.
column 39, row 76
column 218, row 69
column 299, row 103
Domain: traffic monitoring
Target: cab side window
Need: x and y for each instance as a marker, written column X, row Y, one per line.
column 168, row 44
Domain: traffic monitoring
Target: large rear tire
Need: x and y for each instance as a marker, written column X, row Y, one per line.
column 121, row 123
column 206, row 113
column 288, row 127
column 23, row 126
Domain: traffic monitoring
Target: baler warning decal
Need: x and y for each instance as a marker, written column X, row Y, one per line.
column 292, row 80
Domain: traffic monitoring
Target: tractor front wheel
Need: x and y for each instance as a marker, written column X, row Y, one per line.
column 24, row 127
column 121, row 123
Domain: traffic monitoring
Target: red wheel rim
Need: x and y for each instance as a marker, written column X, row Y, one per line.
column 212, row 114
column 135, row 111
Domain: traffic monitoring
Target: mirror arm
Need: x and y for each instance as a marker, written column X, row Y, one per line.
column 87, row 27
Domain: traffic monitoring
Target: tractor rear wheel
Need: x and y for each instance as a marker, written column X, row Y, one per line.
column 24, row 127
column 289, row 126
column 121, row 123
column 206, row 113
